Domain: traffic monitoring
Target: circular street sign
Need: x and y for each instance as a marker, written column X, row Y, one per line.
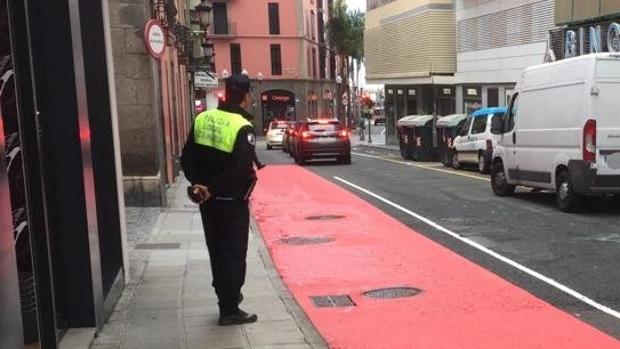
column 155, row 38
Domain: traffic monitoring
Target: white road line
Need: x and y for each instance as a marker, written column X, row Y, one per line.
column 423, row 167
column 496, row 255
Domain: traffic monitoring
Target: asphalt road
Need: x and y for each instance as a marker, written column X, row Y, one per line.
column 568, row 260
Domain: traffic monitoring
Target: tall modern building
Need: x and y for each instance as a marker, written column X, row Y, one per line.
column 410, row 48
column 496, row 41
column 281, row 45
column 586, row 26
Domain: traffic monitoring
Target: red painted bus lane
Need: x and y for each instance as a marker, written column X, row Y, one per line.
column 461, row 305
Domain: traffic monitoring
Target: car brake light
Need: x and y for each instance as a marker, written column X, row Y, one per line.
column 589, row 140
column 489, row 144
column 305, row 134
column 344, row 133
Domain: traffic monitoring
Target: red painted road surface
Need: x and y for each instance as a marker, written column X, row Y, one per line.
column 461, row 306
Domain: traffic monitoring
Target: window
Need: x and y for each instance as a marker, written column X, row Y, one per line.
column 276, row 60
column 480, row 125
column 512, row 113
column 465, row 129
column 493, row 97
column 235, row 59
column 274, row 18
column 314, row 70
column 220, row 18
column 312, row 21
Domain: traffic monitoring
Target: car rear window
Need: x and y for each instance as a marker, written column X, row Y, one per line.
column 316, row 127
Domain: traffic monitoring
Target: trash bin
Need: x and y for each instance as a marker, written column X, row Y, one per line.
column 406, row 135
column 447, row 128
column 423, row 137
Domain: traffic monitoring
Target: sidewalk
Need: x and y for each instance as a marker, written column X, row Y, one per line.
column 378, row 141
column 170, row 303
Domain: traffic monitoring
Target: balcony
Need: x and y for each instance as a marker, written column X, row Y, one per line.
column 223, row 31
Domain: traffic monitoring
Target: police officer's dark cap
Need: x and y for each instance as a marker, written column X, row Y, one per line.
column 238, row 83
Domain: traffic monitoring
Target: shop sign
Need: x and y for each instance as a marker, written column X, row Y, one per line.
column 280, row 99
column 205, row 80
column 446, row 91
column 155, row 38
column 400, row 92
column 576, row 38
column 411, row 92
column 472, row 92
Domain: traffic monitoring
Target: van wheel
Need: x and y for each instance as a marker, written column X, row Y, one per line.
column 499, row 181
column 567, row 199
column 454, row 160
column 483, row 167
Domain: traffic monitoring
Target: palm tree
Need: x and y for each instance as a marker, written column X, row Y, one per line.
column 345, row 35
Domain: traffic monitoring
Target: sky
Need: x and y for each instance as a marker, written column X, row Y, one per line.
column 357, row 4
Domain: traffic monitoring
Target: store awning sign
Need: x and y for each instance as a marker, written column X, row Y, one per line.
column 204, row 79
column 155, row 38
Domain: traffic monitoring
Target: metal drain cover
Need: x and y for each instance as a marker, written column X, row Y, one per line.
column 159, row 246
column 325, row 217
column 393, row 292
column 336, row 301
column 299, row 240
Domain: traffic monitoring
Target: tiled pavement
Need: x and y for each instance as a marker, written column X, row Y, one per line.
column 169, row 302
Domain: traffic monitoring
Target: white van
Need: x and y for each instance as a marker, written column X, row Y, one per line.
column 562, row 131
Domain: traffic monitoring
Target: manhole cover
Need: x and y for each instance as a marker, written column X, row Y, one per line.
column 160, row 246
column 336, row 301
column 325, row 217
column 298, row 240
column 393, row 292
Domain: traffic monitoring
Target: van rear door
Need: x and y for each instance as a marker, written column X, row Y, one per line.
column 606, row 111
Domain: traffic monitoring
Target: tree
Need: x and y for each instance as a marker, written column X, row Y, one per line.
column 345, row 35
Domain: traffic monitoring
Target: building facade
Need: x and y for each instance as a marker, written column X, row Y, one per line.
column 585, row 26
column 63, row 259
column 281, row 45
column 410, row 48
column 496, row 41
column 154, row 96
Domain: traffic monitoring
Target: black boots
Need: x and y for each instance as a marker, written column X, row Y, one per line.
column 238, row 318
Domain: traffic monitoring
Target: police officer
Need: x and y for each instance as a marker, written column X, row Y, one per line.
column 218, row 160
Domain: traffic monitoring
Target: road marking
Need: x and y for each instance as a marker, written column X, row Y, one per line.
column 426, row 167
column 537, row 275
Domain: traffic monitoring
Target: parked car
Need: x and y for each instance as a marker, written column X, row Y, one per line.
column 323, row 138
column 292, row 142
column 562, row 131
column 378, row 117
column 286, row 140
column 275, row 133
column 475, row 140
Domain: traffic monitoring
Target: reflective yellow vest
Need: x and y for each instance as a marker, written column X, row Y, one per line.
column 218, row 129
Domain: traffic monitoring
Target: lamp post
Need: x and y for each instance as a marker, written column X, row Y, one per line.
column 338, row 95
column 259, row 79
column 225, row 74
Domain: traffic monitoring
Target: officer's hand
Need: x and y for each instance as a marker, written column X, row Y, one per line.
column 201, row 192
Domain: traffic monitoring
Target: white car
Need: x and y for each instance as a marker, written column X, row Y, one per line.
column 562, row 131
column 475, row 141
column 275, row 133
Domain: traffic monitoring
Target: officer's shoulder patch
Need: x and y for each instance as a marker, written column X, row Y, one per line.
column 251, row 139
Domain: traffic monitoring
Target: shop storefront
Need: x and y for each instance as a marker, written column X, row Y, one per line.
column 403, row 100
column 61, row 232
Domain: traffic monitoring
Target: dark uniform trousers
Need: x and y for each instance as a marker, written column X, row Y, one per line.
column 226, row 224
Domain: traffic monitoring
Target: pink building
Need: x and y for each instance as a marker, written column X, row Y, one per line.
column 282, row 46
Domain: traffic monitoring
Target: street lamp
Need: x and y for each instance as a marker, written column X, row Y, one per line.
column 225, row 74
column 245, row 72
column 204, row 14
column 260, row 76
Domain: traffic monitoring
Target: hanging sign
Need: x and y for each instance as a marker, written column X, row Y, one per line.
column 205, row 80
column 155, row 38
